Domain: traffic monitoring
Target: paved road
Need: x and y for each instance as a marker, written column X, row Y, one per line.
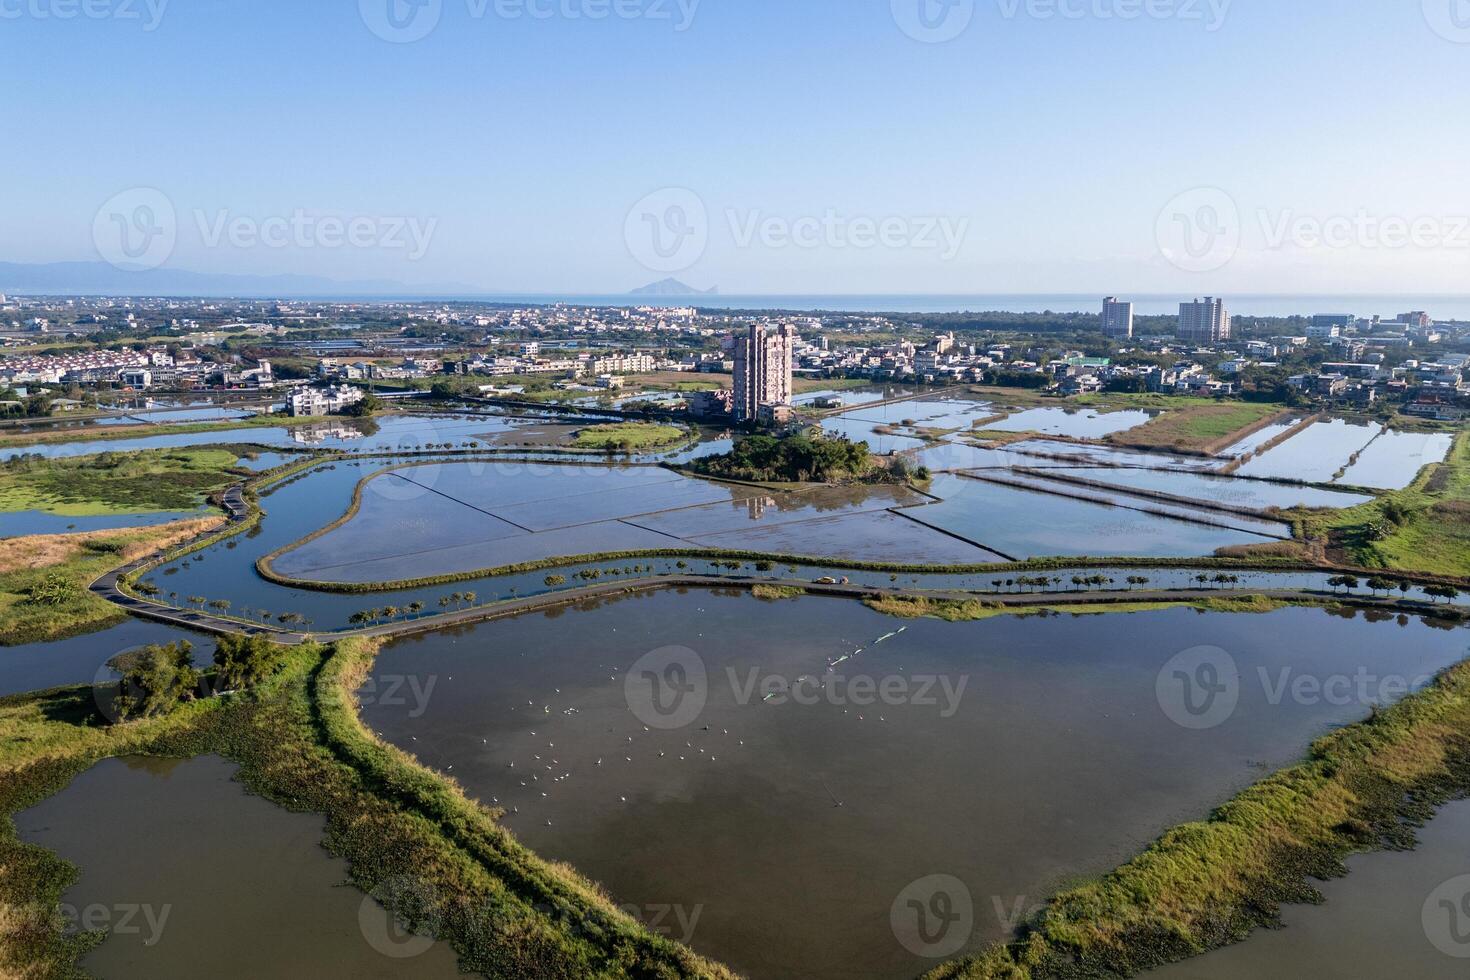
column 199, row 620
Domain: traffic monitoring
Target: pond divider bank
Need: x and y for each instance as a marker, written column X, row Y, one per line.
column 1206, row 885
column 410, row 838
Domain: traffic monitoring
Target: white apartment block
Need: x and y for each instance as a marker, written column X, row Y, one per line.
column 322, row 401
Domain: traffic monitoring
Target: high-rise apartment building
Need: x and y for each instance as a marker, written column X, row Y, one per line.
column 763, row 365
column 1117, row 318
column 1204, row 321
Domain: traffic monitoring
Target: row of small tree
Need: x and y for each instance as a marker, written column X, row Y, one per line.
column 1388, row 586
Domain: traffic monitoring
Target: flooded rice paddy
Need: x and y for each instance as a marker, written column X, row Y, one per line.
column 186, row 869
column 786, row 830
column 1024, row 524
column 1247, row 494
column 1085, row 423
column 311, row 501
column 1352, row 453
column 466, row 516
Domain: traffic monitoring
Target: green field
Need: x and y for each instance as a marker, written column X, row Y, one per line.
column 117, row 483
column 1195, row 425
column 629, row 436
column 43, row 580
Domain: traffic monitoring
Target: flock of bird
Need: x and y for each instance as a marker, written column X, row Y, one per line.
column 527, row 782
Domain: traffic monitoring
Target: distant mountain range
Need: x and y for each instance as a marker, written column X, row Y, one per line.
column 673, row 287
column 101, row 279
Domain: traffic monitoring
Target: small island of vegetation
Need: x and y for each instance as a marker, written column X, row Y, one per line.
column 807, row 457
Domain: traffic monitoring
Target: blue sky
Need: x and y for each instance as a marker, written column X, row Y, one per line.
column 1032, row 152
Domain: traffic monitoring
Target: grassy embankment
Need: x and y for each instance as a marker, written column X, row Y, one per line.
column 1424, row 528
column 629, row 437
column 12, row 440
column 505, row 912
column 115, row 483
column 1208, row 884
column 1198, row 427
column 44, row 579
column 974, row 610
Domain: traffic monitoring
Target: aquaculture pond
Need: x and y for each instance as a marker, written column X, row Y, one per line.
column 859, row 430
column 1078, row 423
column 1395, row 915
column 1316, row 454
column 166, row 416
column 19, row 523
column 1391, row 461
column 1228, row 491
column 1259, row 438
column 1044, row 481
column 633, row 738
column 384, row 434
column 928, row 413
column 1104, row 456
column 1027, row 524
column 83, row 659
column 309, row 502
column 465, row 516
column 847, row 396
column 186, row 868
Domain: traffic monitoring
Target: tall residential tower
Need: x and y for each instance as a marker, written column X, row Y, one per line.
column 1204, row 321
column 1117, row 318
column 763, row 365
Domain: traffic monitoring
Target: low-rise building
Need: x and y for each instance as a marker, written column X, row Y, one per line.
column 322, row 401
